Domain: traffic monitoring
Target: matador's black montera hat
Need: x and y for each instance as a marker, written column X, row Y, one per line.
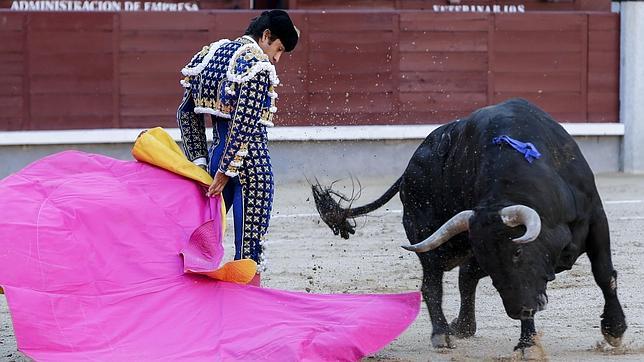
column 280, row 25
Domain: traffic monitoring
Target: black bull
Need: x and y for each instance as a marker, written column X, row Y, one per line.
column 481, row 206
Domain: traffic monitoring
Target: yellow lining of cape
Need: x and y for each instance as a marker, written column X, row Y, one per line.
column 156, row 147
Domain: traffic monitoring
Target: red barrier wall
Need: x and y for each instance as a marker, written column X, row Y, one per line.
column 547, row 5
column 101, row 70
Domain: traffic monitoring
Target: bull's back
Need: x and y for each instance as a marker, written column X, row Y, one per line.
column 458, row 167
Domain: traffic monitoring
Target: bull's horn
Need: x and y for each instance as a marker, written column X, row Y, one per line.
column 516, row 215
column 456, row 225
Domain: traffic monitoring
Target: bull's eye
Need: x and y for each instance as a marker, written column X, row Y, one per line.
column 517, row 254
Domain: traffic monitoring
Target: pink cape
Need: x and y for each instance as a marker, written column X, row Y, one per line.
column 90, row 265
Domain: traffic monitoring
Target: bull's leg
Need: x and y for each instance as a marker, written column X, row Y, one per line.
column 468, row 278
column 529, row 348
column 613, row 322
column 432, row 290
column 528, row 333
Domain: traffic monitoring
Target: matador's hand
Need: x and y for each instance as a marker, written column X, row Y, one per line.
column 218, row 184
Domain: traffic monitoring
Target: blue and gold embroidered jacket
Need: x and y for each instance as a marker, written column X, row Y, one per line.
column 233, row 80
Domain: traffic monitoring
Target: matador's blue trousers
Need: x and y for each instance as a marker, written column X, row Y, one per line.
column 250, row 194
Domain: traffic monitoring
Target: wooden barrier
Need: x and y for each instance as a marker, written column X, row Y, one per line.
column 121, row 70
column 530, row 5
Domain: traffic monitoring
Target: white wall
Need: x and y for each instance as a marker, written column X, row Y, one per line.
column 632, row 85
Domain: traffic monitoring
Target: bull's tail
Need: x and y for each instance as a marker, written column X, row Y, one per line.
column 339, row 218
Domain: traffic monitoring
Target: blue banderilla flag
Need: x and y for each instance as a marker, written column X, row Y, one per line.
column 526, row 148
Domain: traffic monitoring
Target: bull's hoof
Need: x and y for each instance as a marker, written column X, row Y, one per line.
column 524, row 343
column 461, row 329
column 534, row 353
column 613, row 328
column 442, row 341
column 613, row 341
column 529, row 350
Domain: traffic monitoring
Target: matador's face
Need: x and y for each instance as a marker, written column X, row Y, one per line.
column 272, row 48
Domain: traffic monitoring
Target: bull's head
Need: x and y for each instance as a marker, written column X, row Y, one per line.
column 503, row 244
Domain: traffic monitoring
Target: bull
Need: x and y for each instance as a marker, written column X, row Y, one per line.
column 480, row 205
